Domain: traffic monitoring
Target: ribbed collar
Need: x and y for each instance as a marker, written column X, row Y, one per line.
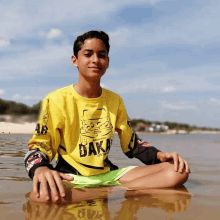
column 79, row 97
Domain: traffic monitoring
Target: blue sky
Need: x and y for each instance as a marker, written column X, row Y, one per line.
column 164, row 56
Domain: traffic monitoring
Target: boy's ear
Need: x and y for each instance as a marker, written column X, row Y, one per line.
column 74, row 61
column 108, row 62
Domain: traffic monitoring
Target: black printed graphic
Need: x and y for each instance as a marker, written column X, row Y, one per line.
column 95, row 148
column 96, row 133
column 42, row 129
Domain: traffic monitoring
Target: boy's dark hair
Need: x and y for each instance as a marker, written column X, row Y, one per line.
column 101, row 35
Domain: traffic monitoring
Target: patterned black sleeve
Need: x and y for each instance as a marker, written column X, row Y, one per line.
column 144, row 152
column 34, row 159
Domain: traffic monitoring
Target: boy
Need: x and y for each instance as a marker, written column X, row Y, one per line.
column 77, row 124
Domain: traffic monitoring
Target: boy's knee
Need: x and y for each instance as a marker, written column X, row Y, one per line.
column 176, row 178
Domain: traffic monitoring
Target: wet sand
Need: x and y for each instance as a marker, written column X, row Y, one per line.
column 200, row 199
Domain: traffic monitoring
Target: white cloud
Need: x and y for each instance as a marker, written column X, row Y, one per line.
column 214, row 100
column 20, row 97
column 16, row 96
column 104, row 86
column 2, row 91
column 169, row 89
column 38, row 61
column 4, row 43
column 120, row 36
column 53, row 33
column 197, row 26
column 177, row 106
column 200, row 113
column 148, row 78
column 24, row 17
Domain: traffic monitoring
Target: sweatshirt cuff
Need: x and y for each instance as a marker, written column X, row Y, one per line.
column 33, row 168
column 34, row 159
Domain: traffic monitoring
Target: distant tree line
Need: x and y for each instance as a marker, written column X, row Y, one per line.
column 14, row 108
column 171, row 125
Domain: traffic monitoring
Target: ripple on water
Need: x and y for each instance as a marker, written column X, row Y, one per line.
column 5, row 203
column 12, row 154
column 209, row 172
column 15, row 178
column 2, row 155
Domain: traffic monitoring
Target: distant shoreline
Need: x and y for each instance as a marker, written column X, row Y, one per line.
column 174, row 133
column 29, row 128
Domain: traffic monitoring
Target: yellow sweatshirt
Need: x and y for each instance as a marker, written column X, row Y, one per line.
column 81, row 129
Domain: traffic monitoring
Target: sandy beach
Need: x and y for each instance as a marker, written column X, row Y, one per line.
column 29, row 128
column 17, row 128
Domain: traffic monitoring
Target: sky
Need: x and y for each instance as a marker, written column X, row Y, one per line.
column 164, row 55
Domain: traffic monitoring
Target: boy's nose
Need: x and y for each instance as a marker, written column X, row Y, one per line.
column 95, row 58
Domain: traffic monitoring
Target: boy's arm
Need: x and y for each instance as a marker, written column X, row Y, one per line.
column 45, row 142
column 150, row 155
column 42, row 148
column 133, row 147
column 130, row 143
column 141, row 150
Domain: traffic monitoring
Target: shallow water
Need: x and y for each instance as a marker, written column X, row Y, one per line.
column 201, row 151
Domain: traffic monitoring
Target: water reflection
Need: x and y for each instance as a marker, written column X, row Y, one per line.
column 95, row 206
column 169, row 200
column 96, row 209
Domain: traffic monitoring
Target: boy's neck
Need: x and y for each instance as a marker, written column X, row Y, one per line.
column 88, row 90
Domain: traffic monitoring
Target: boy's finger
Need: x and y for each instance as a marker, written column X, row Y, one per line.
column 181, row 164
column 187, row 167
column 53, row 187
column 59, row 184
column 44, row 188
column 66, row 177
column 35, row 187
column 176, row 162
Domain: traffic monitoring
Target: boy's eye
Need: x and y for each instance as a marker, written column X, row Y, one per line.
column 87, row 54
column 99, row 55
column 102, row 55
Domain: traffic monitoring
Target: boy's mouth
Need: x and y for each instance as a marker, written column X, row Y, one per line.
column 95, row 68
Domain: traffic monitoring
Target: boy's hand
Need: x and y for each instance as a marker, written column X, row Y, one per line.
column 50, row 183
column 179, row 162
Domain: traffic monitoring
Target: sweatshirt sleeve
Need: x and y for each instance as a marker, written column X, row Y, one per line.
column 47, row 137
column 130, row 142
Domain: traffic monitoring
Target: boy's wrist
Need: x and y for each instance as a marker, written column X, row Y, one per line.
column 36, row 166
column 159, row 154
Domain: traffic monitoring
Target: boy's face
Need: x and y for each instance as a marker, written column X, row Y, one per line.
column 92, row 60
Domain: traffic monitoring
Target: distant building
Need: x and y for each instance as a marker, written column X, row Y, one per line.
column 158, row 128
column 141, row 127
column 181, row 132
